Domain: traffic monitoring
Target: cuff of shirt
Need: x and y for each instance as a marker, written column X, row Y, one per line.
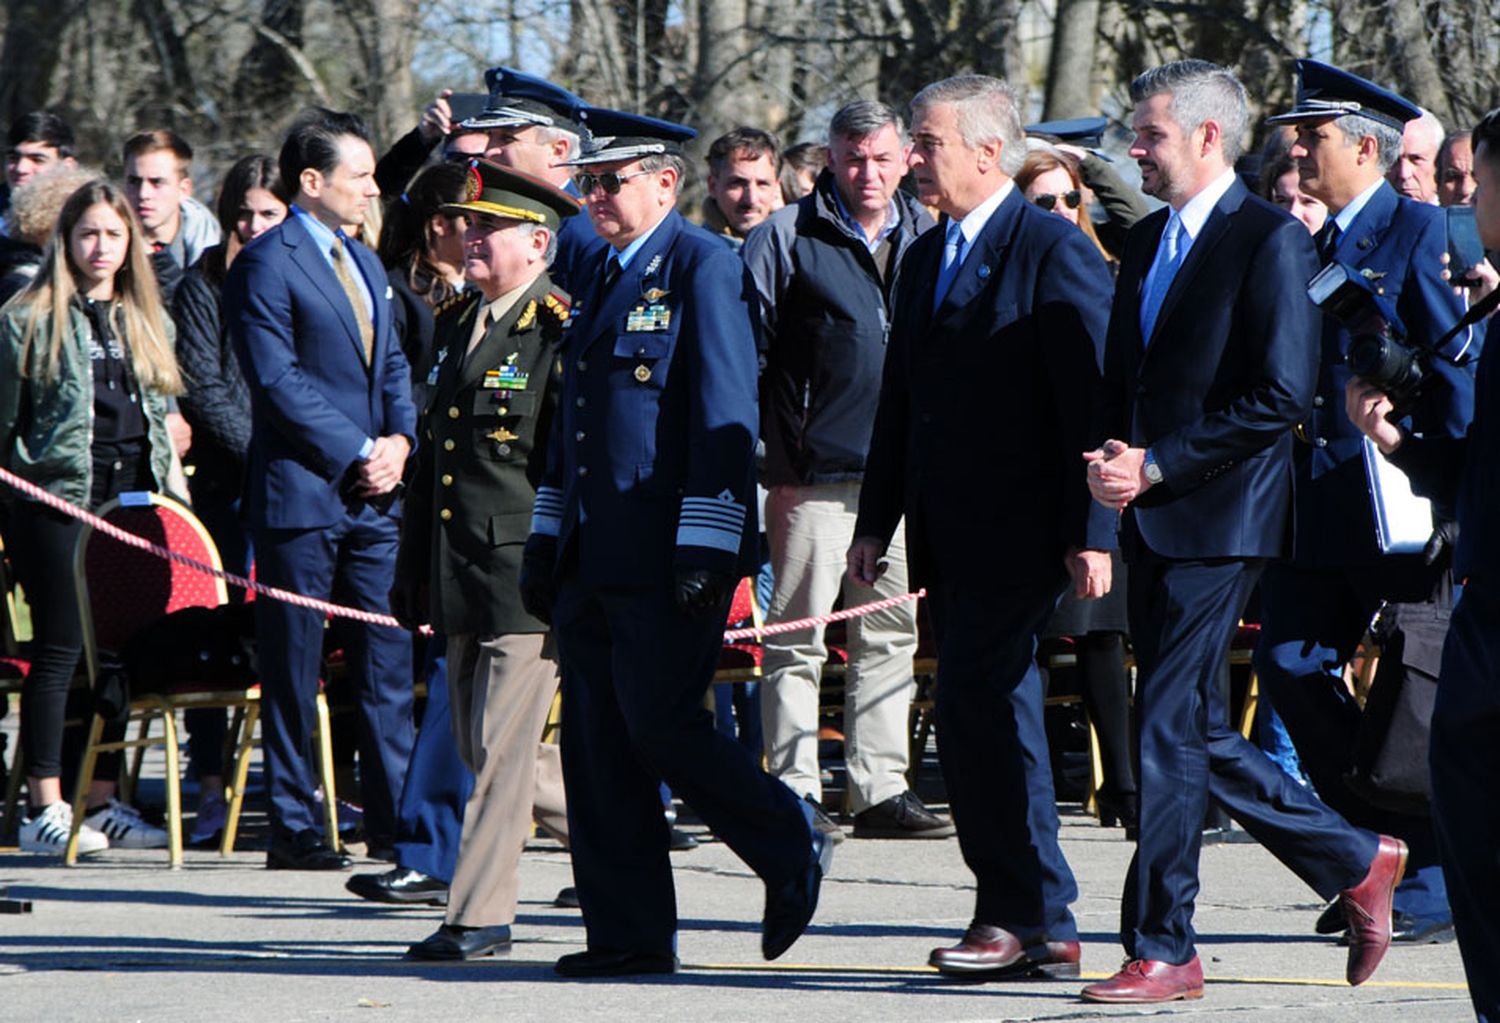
column 366, row 448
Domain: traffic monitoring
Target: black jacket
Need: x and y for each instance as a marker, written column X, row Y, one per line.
column 216, row 403
column 824, row 326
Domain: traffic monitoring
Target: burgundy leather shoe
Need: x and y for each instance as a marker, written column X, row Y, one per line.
column 1367, row 907
column 1149, row 980
column 993, row 953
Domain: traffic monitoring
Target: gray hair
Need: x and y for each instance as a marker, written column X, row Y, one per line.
column 661, row 161
column 529, row 228
column 987, row 110
column 863, row 118
column 1387, row 139
column 546, row 134
column 1201, row 92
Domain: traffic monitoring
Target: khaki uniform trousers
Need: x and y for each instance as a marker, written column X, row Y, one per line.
column 500, row 689
column 809, row 529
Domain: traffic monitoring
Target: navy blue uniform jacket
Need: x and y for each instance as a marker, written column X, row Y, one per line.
column 651, row 463
column 1227, row 373
column 313, row 400
column 987, row 403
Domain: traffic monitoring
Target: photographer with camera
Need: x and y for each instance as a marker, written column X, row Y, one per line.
column 1465, row 759
column 1318, row 604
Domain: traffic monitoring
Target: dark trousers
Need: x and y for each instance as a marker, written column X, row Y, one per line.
column 1182, row 617
column 993, row 748
column 1465, row 759
column 1312, row 620
column 430, row 817
column 635, row 672
column 351, row 562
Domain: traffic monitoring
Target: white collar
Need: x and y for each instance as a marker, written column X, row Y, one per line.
column 1345, row 217
column 1195, row 212
column 980, row 215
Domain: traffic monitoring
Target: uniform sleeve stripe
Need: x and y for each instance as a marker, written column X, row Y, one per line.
column 717, row 539
column 727, row 519
column 545, row 525
column 546, row 511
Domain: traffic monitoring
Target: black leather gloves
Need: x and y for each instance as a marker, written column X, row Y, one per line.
column 539, row 577
column 700, row 591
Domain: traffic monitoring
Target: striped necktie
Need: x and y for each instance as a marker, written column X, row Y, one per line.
column 356, row 296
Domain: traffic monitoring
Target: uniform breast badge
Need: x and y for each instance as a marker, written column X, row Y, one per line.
column 501, row 435
column 508, row 377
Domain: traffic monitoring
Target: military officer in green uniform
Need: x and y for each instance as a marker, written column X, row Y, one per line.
column 493, row 389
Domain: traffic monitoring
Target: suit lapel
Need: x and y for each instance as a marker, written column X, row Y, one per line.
column 626, row 291
column 1203, row 245
column 1370, row 225
column 325, row 282
column 982, row 264
column 453, row 364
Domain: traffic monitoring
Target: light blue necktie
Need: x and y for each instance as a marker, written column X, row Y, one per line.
column 1168, row 260
column 953, row 258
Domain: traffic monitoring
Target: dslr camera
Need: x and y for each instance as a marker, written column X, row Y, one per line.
column 1378, row 352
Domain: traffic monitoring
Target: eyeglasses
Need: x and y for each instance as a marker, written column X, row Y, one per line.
column 1048, row 200
column 609, row 181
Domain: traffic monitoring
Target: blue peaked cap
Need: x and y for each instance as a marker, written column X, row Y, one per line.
column 614, row 135
column 520, row 100
column 1324, row 91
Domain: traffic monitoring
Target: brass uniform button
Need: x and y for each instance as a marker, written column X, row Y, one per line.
column 453, row 412
column 447, row 480
column 446, row 514
column 643, row 372
column 503, row 410
column 448, row 445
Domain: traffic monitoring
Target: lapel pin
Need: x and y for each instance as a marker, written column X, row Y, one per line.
column 984, row 271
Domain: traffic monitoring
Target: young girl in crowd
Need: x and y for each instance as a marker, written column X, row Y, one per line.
column 86, row 365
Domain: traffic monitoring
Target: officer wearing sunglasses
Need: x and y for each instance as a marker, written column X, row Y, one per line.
column 643, row 523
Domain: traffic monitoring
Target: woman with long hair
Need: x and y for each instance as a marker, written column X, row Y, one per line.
column 423, row 251
column 216, row 405
column 86, row 366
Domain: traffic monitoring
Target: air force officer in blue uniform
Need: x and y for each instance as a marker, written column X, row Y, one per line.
column 1210, row 363
column 332, row 425
column 643, row 524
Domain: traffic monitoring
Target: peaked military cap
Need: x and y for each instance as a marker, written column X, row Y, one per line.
column 1087, row 132
column 519, row 100
column 614, row 135
column 502, row 192
column 1324, row 91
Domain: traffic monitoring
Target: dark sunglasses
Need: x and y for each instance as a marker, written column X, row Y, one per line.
column 610, row 181
column 1048, row 200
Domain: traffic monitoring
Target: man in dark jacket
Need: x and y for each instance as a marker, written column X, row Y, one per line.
column 825, row 269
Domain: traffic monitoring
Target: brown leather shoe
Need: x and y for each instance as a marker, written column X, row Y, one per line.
column 1149, row 980
column 1367, row 907
column 993, row 953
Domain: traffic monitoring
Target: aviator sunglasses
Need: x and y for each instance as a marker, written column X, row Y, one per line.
column 1048, row 200
column 609, row 181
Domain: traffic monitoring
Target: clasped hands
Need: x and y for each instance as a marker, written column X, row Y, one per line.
column 1116, row 474
column 380, row 473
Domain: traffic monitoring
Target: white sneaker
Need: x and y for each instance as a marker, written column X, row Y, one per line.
column 47, row 832
column 121, row 823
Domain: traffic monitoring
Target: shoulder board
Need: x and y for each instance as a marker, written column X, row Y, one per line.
column 559, row 303
column 455, row 305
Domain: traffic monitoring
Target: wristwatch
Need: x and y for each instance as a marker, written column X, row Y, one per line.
column 1151, row 470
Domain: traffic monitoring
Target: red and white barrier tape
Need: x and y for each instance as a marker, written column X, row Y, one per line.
column 370, row 617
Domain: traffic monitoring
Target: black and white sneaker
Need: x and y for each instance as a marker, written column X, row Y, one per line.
column 123, row 825
column 47, row 832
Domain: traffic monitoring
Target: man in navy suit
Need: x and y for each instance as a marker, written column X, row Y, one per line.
column 643, row 523
column 1317, row 604
column 1209, row 365
column 1465, row 757
column 994, row 361
column 332, row 425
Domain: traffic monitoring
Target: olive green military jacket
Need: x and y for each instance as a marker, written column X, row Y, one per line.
column 482, row 452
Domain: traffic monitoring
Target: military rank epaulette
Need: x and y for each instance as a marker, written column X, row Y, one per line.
column 560, row 303
column 457, row 304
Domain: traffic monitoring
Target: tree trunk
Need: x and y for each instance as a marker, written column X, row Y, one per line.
column 1415, row 65
column 29, row 58
column 1070, row 68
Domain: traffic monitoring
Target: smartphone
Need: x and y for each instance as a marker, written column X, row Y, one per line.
column 1464, row 246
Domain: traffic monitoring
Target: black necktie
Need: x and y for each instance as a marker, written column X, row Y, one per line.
column 611, row 271
column 1328, row 240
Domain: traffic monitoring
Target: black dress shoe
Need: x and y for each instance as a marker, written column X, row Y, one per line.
column 790, row 905
column 452, row 943
column 567, row 898
column 599, row 962
column 681, row 841
column 304, row 851
column 901, row 816
column 401, row 886
column 822, row 822
column 1418, row 930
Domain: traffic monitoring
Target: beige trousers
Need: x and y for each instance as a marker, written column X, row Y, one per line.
column 809, row 529
column 501, row 688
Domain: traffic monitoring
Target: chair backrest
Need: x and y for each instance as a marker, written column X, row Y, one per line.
column 744, row 605
column 121, row 589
